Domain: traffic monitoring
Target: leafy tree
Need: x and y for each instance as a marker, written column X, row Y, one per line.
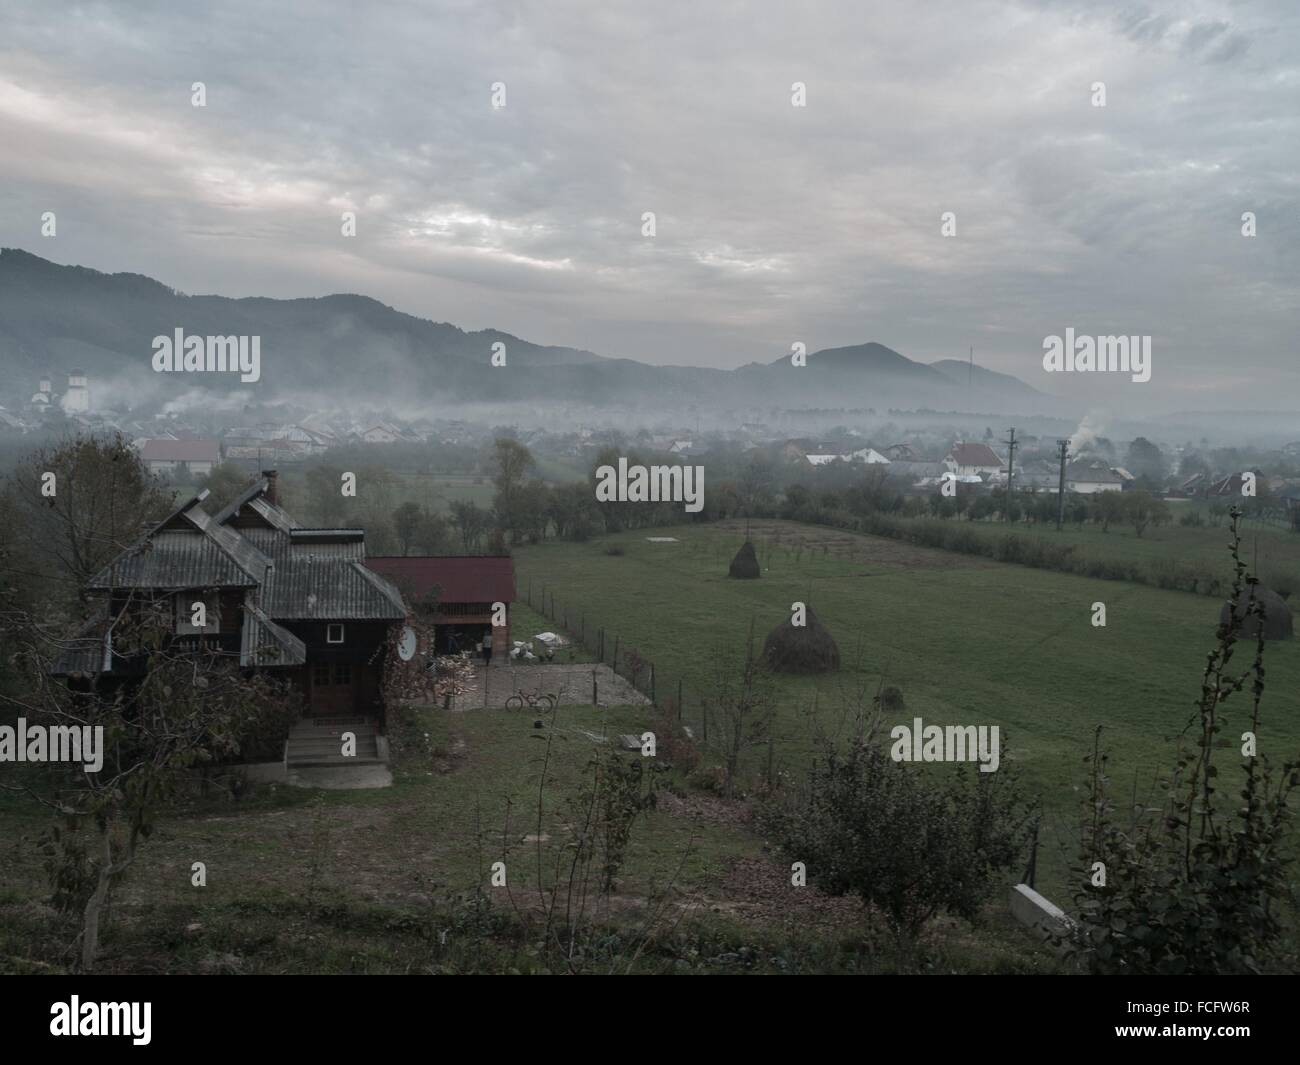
column 1143, row 509
column 1193, row 883
column 1144, row 459
column 797, row 499
column 406, row 524
column 172, row 719
column 511, row 463
column 1109, row 507
column 471, row 522
column 432, row 534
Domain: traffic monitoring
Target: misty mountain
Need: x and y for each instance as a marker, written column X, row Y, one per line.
column 349, row 349
column 962, row 372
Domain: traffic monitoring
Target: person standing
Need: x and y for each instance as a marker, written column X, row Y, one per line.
column 487, row 650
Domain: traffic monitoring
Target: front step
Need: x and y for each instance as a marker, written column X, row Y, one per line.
column 313, row 743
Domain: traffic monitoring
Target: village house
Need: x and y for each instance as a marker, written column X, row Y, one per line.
column 972, row 460
column 167, row 456
column 304, row 604
column 298, row 602
column 867, row 455
column 387, row 433
column 1090, row 477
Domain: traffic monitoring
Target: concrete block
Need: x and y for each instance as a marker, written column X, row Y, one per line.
column 1042, row 915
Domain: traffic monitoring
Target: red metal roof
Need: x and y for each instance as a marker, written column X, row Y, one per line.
column 458, row 578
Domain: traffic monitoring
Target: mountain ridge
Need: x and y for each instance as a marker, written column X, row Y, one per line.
column 54, row 315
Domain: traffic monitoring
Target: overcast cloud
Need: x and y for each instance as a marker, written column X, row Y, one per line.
column 775, row 223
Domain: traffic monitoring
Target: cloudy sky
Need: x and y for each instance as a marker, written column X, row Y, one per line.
column 775, row 223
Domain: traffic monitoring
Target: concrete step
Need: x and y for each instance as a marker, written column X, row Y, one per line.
column 333, row 760
column 317, row 746
column 361, row 732
column 318, row 742
column 308, row 726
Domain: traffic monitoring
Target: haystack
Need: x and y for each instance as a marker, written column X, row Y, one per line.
column 745, row 565
column 1277, row 615
column 807, row 648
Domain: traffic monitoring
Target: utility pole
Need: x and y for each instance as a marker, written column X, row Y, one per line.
column 1064, row 445
column 1011, row 468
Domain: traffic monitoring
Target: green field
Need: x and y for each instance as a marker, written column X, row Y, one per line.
column 967, row 640
column 1275, row 551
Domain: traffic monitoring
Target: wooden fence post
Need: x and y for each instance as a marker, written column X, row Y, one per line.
column 679, row 699
column 615, row 666
column 594, row 700
column 653, row 700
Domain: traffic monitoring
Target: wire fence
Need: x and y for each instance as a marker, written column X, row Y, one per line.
column 668, row 691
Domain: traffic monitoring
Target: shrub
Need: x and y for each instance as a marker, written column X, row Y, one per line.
column 1191, row 885
column 910, row 842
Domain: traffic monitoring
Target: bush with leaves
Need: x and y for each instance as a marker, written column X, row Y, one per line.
column 1195, row 882
column 913, row 842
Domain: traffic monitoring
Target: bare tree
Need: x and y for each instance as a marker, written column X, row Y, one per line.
column 744, row 700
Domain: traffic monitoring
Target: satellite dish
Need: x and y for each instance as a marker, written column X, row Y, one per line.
column 406, row 645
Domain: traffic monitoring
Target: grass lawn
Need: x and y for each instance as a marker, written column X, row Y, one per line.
column 362, row 881
column 968, row 641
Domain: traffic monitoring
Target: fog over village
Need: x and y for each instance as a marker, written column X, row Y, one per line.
column 606, row 489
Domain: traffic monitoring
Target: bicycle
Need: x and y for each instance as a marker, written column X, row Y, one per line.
column 534, row 700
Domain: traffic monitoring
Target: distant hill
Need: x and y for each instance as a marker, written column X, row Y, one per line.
column 350, row 349
column 962, row 372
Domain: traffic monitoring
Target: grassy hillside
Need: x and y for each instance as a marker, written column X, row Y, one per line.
column 969, row 641
column 383, row 881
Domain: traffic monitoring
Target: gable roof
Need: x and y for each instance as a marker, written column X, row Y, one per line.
column 455, row 578
column 964, row 454
column 187, row 549
column 265, row 643
column 294, row 574
column 253, row 497
column 1092, row 473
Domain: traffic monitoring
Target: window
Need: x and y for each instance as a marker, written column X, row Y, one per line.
column 320, row 675
column 186, row 612
column 333, row 633
column 342, row 673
